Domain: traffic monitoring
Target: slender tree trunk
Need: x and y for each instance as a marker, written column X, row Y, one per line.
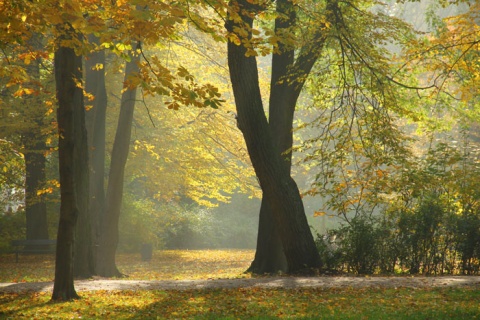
column 88, row 229
column 97, row 128
column 35, row 206
column 109, row 226
column 35, row 161
column 84, row 266
column 68, row 70
column 279, row 189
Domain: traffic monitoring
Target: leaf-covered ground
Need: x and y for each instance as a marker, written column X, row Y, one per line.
column 165, row 265
column 339, row 300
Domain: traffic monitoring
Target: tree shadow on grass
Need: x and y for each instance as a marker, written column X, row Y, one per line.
column 25, row 287
column 204, row 304
column 23, row 303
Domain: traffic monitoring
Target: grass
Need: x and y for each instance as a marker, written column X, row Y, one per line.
column 403, row 303
column 254, row 303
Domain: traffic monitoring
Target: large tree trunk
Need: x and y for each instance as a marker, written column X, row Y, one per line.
column 109, row 226
column 279, row 189
column 87, row 244
column 68, row 69
column 287, row 80
column 269, row 255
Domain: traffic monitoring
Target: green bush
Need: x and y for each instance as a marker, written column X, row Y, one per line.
column 468, row 242
column 421, row 235
column 362, row 246
column 432, row 239
column 330, row 253
column 359, row 242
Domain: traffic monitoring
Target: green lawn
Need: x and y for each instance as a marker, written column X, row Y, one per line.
column 344, row 303
column 251, row 303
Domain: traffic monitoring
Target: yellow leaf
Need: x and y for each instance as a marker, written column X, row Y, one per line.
column 251, row 52
column 319, row 213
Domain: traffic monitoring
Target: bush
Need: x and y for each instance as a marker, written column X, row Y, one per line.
column 420, row 237
column 360, row 242
column 468, row 242
column 431, row 239
column 330, row 253
column 362, row 246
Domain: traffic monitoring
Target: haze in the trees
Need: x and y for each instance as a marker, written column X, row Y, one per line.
column 366, row 77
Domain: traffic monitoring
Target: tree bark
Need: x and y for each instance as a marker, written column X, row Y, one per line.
column 35, row 206
column 269, row 255
column 109, row 226
column 279, row 189
column 287, row 80
column 83, row 258
column 35, row 161
column 68, row 70
column 87, row 244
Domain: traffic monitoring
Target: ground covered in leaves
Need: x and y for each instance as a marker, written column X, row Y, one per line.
column 165, row 265
column 211, row 285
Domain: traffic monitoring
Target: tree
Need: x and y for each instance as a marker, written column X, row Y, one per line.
column 28, row 126
column 73, row 158
column 35, row 154
column 109, row 224
column 155, row 80
column 288, row 77
column 88, row 235
column 282, row 205
column 353, row 82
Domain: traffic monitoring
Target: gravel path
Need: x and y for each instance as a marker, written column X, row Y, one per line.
column 263, row 282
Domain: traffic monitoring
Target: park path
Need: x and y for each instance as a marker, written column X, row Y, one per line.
column 262, row 282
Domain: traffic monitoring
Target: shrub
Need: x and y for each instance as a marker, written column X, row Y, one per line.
column 361, row 243
column 468, row 242
column 330, row 253
column 362, row 246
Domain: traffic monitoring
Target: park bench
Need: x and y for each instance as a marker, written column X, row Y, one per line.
column 37, row 246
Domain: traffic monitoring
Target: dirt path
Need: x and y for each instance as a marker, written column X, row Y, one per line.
column 266, row 282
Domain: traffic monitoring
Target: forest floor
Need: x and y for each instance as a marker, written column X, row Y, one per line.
column 198, row 269
column 260, row 282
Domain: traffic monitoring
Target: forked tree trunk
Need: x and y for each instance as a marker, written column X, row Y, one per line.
column 68, row 69
column 279, row 189
column 287, row 80
column 109, row 226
